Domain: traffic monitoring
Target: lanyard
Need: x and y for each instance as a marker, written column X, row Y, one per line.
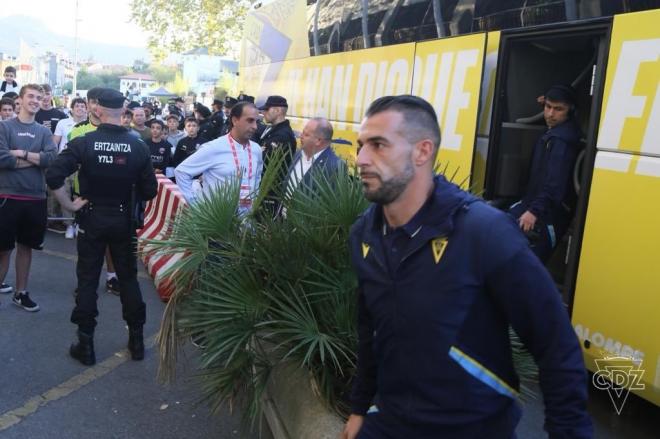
column 237, row 163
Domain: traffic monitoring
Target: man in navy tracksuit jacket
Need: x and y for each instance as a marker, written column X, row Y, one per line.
column 546, row 208
column 442, row 276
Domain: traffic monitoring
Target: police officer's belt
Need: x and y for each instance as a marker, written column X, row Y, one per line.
column 108, row 204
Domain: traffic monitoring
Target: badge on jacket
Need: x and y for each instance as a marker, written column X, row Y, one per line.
column 438, row 246
column 365, row 250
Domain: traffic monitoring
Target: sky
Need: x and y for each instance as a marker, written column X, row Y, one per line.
column 98, row 19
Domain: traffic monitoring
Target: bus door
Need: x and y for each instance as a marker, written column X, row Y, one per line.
column 531, row 61
column 617, row 295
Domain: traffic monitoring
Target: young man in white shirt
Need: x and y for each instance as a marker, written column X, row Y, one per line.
column 64, row 127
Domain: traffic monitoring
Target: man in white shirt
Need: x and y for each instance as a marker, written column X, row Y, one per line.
column 226, row 157
column 315, row 155
column 64, row 127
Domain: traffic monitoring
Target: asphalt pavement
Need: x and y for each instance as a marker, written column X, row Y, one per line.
column 46, row 394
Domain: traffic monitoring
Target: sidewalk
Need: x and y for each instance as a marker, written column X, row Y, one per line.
column 47, row 394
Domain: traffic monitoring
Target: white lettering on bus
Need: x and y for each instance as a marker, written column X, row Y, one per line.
column 614, row 347
column 311, row 90
column 365, row 85
column 340, row 93
column 622, row 104
column 458, row 99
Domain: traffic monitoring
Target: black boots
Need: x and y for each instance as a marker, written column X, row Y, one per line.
column 136, row 343
column 83, row 351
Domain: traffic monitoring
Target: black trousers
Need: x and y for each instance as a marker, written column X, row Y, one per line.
column 99, row 228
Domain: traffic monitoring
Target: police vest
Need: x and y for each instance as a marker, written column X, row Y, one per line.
column 111, row 165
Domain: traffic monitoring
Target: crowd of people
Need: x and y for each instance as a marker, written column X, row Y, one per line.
column 442, row 276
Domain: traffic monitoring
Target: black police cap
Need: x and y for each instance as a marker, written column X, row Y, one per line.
column 110, row 98
column 230, row 102
column 94, row 92
column 246, row 98
column 132, row 105
column 202, row 110
column 274, row 101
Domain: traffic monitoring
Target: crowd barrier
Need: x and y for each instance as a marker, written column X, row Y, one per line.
column 158, row 224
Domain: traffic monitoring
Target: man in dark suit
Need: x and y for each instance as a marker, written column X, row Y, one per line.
column 315, row 156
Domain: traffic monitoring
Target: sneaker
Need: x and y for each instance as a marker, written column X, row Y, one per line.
column 23, row 300
column 57, row 226
column 70, row 232
column 113, row 286
column 5, row 289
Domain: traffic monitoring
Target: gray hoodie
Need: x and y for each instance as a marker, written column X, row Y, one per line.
column 33, row 137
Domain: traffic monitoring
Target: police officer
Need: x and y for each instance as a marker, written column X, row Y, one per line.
column 216, row 122
column 115, row 172
column 278, row 132
column 277, row 135
column 228, row 105
column 203, row 116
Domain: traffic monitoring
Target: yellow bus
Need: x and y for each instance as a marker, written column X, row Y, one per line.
column 482, row 64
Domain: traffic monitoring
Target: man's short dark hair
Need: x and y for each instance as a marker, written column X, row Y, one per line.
column 172, row 116
column 10, row 95
column 420, row 120
column 157, row 122
column 47, row 88
column 237, row 110
column 128, row 112
column 562, row 93
column 78, row 101
column 8, row 101
column 190, row 119
column 10, row 69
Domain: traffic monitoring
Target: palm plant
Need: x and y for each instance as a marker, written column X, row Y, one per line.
column 260, row 291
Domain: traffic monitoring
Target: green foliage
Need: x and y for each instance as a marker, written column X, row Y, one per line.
column 181, row 25
column 261, row 291
column 178, row 85
column 102, row 78
column 162, row 73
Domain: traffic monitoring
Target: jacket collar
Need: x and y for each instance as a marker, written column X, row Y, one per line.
column 285, row 124
column 434, row 219
column 111, row 127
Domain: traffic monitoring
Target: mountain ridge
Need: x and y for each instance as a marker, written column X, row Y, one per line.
column 34, row 32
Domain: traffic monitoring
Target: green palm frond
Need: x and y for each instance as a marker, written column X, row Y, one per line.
column 262, row 291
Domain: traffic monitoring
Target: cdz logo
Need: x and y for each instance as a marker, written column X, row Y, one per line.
column 618, row 375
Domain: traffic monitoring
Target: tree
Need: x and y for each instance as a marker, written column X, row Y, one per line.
column 178, row 85
column 181, row 25
column 163, row 74
column 140, row 66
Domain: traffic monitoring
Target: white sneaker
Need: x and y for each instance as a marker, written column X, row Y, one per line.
column 70, row 232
